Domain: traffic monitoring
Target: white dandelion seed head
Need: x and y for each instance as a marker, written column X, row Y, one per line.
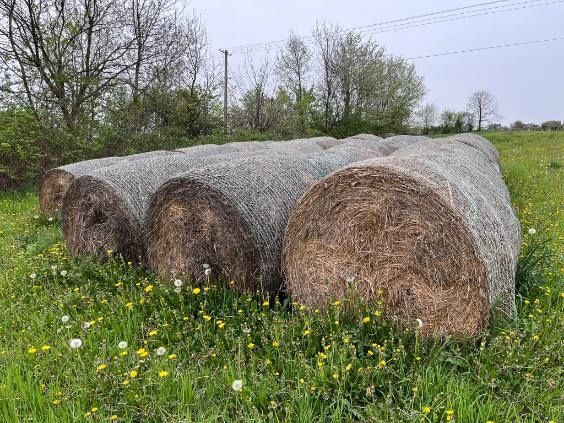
column 50, row 219
column 75, row 343
column 63, row 273
column 178, row 283
column 161, row 350
column 350, row 279
column 246, row 330
column 419, row 323
column 532, row 231
column 178, row 290
column 207, row 271
column 65, row 318
column 206, row 266
column 54, row 267
column 33, row 276
column 86, row 325
column 237, row 385
column 122, row 345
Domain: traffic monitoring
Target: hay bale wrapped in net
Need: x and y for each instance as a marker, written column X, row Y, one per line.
column 105, row 209
column 204, row 149
column 229, row 215
column 342, row 155
column 367, row 137
column 298, row 146
column 481, row 144
column 56, row 181
column 245, row 146
column 430, row 231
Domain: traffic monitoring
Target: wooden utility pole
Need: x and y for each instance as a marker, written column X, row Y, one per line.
column 225, row 126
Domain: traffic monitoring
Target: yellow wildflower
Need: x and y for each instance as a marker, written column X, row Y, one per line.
column 163, row 373
column 133, row 374
column 426, row 409
column 101, row 367
column 366, row 320
column 196, row 291
column 250, row 346
column 45, row 347
column 148, row 288
column 153, row 333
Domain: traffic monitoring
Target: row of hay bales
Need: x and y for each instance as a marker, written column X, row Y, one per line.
column 426, row 226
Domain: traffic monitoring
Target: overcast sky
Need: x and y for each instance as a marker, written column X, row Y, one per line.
column 528, row 81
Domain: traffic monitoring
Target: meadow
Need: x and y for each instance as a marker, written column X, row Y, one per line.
column 82, row 340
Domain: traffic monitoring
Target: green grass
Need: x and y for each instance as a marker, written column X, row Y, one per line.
column 295, row 364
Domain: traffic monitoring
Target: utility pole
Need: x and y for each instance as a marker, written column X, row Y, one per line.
column 225, row 55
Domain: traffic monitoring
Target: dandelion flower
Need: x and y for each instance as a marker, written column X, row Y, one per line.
column 163, row 373
column 426, row 409
column 250, row 346
column 129, row 306
column 63, row 273
column 101, row 367
column 142, row 352
column 419, row 323
column 382, row 363
column 153, row 333
column 133, row 374
column 207, row 272
column 75, row 343
column 33, row 276
column 196, row 291
column 56, row 402
column 532, row 231
column 366, row 320
column 122, row 345
column 161, row 351
column 148, row 288
column 307, row 332
column 32, row 350
column 237, row 385
column 178, row 290
column 207, row 318
column 65, row 318
column 178, row 283
column 172, row 356
column 114, row 417
column 275, row 344
column 45, row 348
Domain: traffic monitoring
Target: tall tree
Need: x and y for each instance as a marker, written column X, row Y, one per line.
column 427, row 116
column 64, row 55
column 483, row 106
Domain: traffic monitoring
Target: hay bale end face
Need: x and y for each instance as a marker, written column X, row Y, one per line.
column 430, row 231
column 230, row 216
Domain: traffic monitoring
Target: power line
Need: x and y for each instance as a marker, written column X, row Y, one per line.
column 470, row 50
column 246, row 46
column 440, row 19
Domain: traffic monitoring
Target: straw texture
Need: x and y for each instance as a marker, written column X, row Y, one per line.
column 429, row 231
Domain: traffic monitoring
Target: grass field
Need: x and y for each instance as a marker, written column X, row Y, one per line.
column 186, row 349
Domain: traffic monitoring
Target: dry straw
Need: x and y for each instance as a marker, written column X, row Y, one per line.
column 231, row 216
column 56, row 181
column 429, row 231
column 104, row 210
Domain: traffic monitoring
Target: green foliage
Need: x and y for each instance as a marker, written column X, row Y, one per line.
column 295, row 364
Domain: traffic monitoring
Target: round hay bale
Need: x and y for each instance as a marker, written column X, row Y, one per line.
column 298, row 146
column 204, row 149
column 326, row 142
column 368, row 137
column 342, row 155
column 245, row 146
column 229, row 215
column 55, row 182
column 481, row 144
column 105, row 209
column 429, row 231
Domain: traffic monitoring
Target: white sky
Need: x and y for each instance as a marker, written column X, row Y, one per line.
column 528, row 81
